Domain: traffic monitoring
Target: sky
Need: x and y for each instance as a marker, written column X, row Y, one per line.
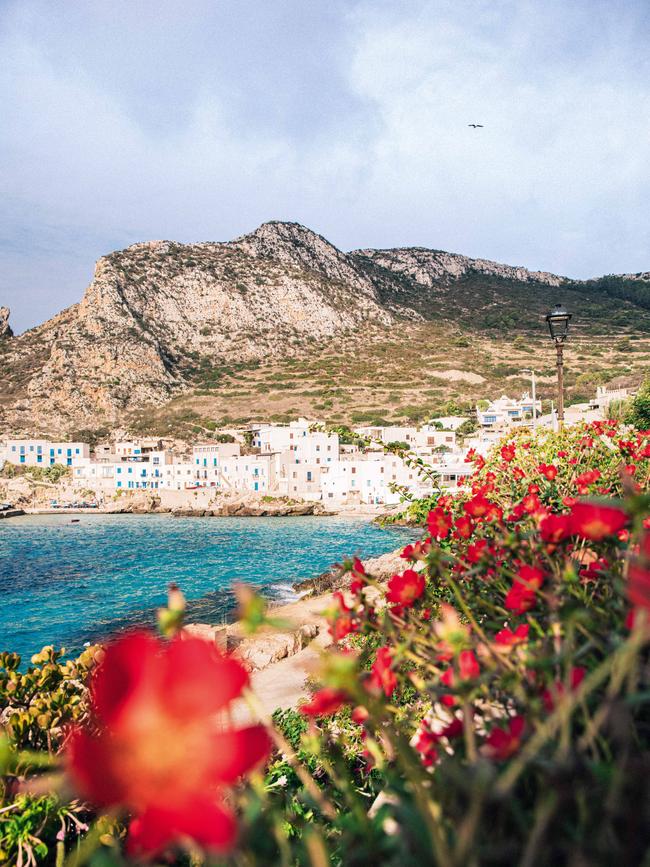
column 199, row 120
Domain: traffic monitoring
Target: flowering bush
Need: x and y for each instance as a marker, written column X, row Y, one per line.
column 489, row 705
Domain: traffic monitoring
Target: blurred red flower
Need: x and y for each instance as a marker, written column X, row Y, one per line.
column 555, row 528
column 508, row 452
column 156, row 745
column 382, row 675
column 557, row 690
column 638, row 588
column 521, row 596
column 507, row 638
column 594, row 522
column 325, row 702
column 358, row 581
column 501, row 743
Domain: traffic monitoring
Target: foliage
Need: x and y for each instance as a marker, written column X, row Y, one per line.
column 489, row 706
column 51, row 474
column 639, row 413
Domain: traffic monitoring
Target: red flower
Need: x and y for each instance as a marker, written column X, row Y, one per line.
column 359, row 715
column 472, row 457
column 518, row 473
column 531, row 504
column 325, row 702
column 501, row 744
column 382, row 675
column 549, row 471
column 404, row 589
column 479, row 506
column 358, row 581
column 417, row 551
column 638, row 587
column 508, row 452
column 463, row 527
column 555, row 528
column 589, row 477
column 154, row 747
column 342, row 620
column 468, row 669
column 521, row 596
column 426, row 743
column 507, row 638
column 592, row 571
column 594, row 522
column 439, row 523
column 477, row 551
column 557, row 691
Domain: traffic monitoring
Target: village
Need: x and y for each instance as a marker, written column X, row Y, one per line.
column 300, row 461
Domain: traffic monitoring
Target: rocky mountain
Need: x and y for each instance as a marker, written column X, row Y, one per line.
column 159, row 315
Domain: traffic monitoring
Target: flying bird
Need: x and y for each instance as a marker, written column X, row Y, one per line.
column 476, row 125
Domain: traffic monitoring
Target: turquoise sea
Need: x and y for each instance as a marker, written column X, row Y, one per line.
column 66, row 583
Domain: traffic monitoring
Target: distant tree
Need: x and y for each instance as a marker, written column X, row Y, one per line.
column 224, row 438
column 467, row 427
column 639, row 414
column 396, row 446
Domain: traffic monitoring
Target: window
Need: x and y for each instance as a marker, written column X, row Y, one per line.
column 309, row 476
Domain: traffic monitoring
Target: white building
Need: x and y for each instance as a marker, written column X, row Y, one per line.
column 426, row 437
column 43, row 453
column 506, row 412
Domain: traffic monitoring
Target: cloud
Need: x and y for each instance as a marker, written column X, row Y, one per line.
column 124, row 122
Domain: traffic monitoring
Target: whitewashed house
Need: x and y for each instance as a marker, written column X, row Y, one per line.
column 507, row 412
column 43, row 453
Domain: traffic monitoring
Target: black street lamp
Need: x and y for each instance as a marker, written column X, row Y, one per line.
column 558, row 324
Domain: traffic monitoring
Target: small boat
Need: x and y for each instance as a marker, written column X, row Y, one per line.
column 74, row 521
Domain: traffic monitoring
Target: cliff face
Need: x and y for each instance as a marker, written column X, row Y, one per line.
column 157, row 312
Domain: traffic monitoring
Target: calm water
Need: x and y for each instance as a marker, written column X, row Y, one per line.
column 64, row 584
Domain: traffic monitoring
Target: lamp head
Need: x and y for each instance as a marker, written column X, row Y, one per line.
column 558, row 323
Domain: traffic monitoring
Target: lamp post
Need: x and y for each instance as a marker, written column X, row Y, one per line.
column 531, row 373
column 558, row 325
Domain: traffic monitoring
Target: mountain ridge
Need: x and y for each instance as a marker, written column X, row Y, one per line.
column 160, row 316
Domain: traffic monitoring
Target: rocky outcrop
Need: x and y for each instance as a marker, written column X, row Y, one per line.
column 381, row 568
column 138, row 503
column 5, row 328
column 249, row 507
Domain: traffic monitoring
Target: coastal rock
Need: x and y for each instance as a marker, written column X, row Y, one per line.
column 137, row 503
column 381, row 568
column 5, row 328
column 252, row 507
column 264, row 649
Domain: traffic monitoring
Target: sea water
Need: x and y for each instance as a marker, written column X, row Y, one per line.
column 66, row 582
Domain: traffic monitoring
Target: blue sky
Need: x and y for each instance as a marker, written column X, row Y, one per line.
column 136, row 120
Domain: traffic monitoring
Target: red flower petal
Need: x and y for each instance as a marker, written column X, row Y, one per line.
column 198, row 677
column 236, row 751
column 208, row 824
